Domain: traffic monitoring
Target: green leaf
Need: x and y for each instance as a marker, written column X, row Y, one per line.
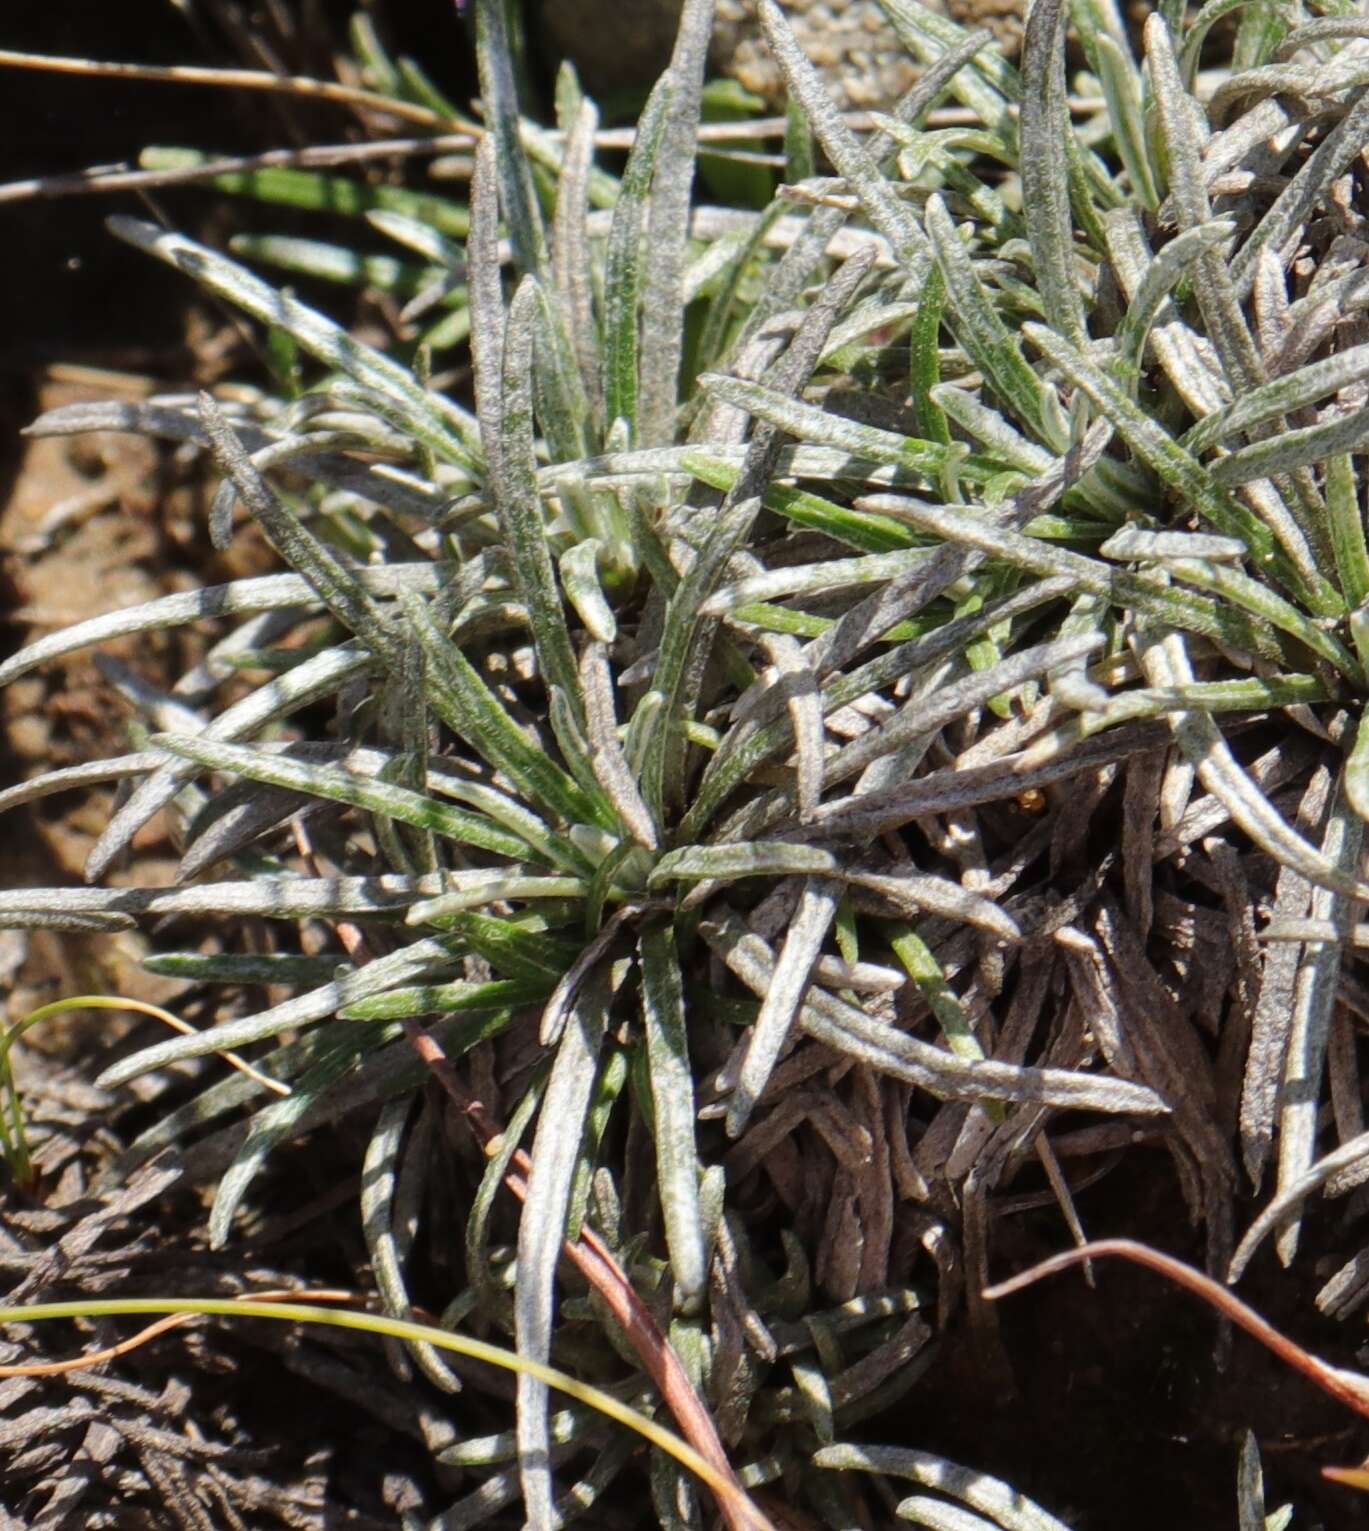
column 503, row 994
column 528, row 956
column 924, row 362
column 307, row 189
column 341, row 786
column 334, row 263
column 472, row 711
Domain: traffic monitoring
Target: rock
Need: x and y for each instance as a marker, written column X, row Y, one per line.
column 856, row 50
column 616, row 45
column 620, row 46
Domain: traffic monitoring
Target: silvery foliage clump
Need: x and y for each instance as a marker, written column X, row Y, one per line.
column 871, row 678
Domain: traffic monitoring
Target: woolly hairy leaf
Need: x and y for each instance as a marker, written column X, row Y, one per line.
column 672, row 1097
column 622, row 262
column 320, row 337
column 342, row 786
column 520, row 507
column 541, row 1229
column 1044, row 130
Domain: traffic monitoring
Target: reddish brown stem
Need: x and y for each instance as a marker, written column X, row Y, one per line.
column 1348, row 1387
column 595, row 1261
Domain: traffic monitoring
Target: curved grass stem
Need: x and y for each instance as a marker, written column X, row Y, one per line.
column 742, row 1511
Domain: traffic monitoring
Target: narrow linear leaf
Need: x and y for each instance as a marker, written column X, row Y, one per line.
column 499, row 91
column 541, row 1229
column 520, row 505
column 1314, row 1000
column 803, row 944
column 672, row 1096
column 775, row 858
column 622, row 262
column 319, row 336
column 341, row 786
column 463, row 701
column 663, row 305
column 1044, row 130
column 986, row 339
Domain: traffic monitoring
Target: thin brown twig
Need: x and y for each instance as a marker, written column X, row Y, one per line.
column 105, row 178
column 237, row 79
column 96, row 180
column 1348, row 1387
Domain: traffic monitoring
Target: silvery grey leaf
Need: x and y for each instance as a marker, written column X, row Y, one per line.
column 921, row 891
column 405, row 966
column 242, row 597
column 572, row 263
column 499, row 90
column 890, row 216
column 803, row 942
column 486, row 298
column 1166, row 663
column 1313, row 1000
column 1009, row 1509
column 319, row 676
column 68, row 778
column 940, row 791
column 926, row 717
column 1294, row 204
column 887, row 1050
column 542, row 1228
column 1044, row 129
column 1138, row 544
column 799, row 686
column 673, row 1106
column 668, row 227
column 1292, row 449
column 610, row 764
column 1213, row 285
column 392, row 385
column 1291, row 1196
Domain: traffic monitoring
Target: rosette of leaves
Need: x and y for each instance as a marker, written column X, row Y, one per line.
column 700, row 735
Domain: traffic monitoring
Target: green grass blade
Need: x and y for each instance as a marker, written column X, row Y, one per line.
column 286, row 186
